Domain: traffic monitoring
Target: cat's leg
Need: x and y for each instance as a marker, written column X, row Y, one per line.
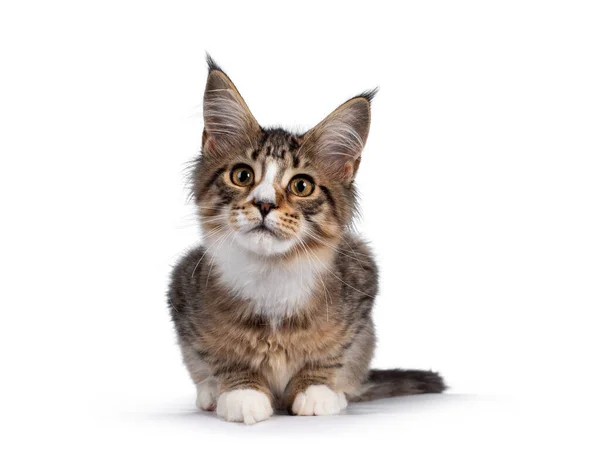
column 207, row 392
column 244, row 397
column 357, row 360
column 311, row 392
column 207, row 389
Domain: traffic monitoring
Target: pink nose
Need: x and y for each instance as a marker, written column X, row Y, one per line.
column 264, row 208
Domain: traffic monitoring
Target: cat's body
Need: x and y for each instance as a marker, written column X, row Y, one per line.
column 275, row 311
column 331, row 331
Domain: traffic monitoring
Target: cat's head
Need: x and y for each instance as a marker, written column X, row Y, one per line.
column 269, row 191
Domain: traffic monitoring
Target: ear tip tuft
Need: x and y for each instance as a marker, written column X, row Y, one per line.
column 212, row 64
column 369, row 95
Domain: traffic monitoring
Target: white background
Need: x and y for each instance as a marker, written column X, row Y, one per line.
column 480, row 195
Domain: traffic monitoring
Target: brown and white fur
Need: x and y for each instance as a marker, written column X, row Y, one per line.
column 274, row 311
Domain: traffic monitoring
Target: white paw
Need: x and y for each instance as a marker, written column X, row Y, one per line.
column 244, row 405
column 319, row 400
column 207, row 392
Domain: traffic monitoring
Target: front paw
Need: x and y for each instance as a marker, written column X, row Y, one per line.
column 207, row 392
column 319, row 400
column 244, row 405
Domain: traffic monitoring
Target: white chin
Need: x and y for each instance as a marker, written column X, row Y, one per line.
column 263, row 243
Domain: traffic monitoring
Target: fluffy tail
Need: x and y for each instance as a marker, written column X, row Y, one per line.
column 396, row 382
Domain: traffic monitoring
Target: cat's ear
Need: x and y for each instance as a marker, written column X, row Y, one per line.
column 228, row 122
column 338, row 140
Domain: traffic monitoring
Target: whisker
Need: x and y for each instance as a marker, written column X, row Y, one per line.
column 205, row 251
column 223, row 239
column 349, row 285
column 315, row 237
column 320, row 279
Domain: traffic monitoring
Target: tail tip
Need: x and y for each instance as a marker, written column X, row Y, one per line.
column 431, row 382
column 415, row 381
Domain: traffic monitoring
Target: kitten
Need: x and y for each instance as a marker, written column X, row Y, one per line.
column 275, row 311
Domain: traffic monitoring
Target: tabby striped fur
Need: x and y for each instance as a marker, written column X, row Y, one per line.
column 274, row 311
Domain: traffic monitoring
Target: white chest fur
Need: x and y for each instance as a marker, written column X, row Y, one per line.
column 274, row 288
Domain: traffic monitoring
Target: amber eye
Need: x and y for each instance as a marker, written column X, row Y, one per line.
column 242, row 176
column 302, row 186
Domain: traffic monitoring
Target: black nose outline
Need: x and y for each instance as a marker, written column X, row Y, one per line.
column 265, row 207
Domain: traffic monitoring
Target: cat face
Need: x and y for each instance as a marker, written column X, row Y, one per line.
column 270, row 198
column 271, row 192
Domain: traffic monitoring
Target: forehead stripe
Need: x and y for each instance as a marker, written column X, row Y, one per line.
column 265, row 192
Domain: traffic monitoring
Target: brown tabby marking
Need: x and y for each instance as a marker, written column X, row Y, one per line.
column 280, row 302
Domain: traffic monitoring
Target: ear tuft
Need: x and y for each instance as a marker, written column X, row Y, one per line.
column 370, row 94
column 212, row 64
